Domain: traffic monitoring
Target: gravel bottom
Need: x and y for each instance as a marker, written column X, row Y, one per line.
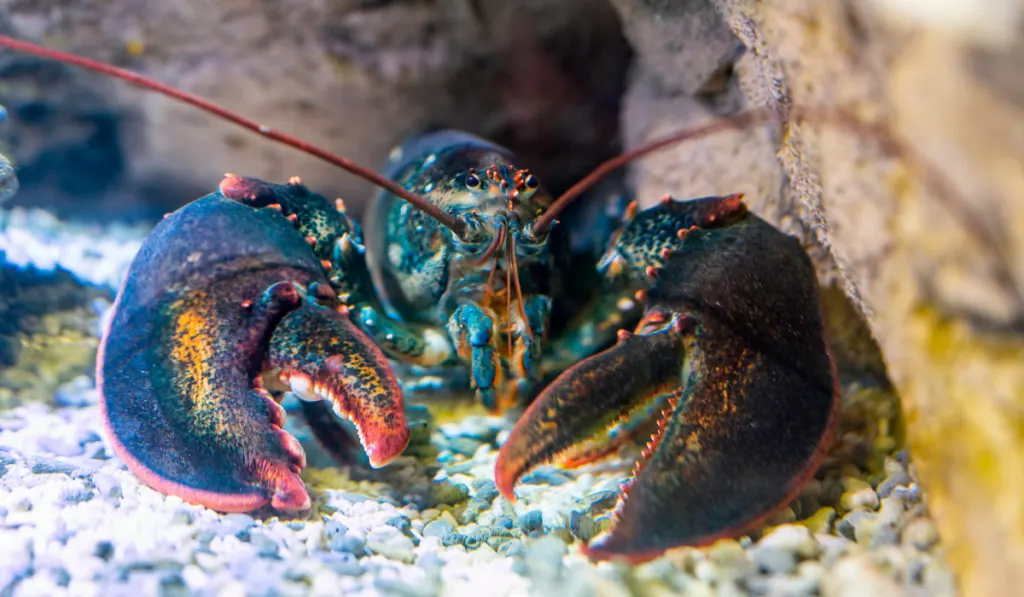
column 74, row 521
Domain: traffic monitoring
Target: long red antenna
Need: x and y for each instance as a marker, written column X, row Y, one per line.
column 455, row 225
column 933, row 179
column 740, row 120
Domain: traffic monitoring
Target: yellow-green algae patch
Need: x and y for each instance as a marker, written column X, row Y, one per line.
column 965, row 415
column 58, row 349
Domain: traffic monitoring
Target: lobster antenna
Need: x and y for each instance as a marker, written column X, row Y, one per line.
column 455, row 225
column 933, row 179
column 737, row 121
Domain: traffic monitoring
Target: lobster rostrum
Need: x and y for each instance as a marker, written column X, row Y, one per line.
column 703, row 340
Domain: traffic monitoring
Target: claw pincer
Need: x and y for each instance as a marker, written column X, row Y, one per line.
column 219, row 295
column 729, row 362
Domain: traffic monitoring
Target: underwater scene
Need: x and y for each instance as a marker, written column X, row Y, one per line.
column 472, row 298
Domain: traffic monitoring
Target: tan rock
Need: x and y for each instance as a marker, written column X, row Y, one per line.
column 937, row 270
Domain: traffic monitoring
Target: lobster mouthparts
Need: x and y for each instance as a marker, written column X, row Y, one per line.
column 732, row 357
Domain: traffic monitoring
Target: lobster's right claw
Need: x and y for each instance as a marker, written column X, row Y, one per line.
column 732, row 337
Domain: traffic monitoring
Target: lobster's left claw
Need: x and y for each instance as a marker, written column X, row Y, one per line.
column 733, row 325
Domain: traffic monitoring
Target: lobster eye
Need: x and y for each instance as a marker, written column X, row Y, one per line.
column 532, row 182
column 472, row 181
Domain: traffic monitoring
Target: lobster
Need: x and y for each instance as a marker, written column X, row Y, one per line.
column 704, row 333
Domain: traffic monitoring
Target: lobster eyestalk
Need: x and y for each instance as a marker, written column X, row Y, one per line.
column 454, row 224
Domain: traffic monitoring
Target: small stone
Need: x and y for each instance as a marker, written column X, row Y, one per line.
column 601, row 501
column 265, row 546
column 821, row 521
column 103, row 550
column 61, row 446
column 437, row 528
column 486, row 490
column 861, row 498
column 77, row 393
column 393, row 546
column 543, row 560
column 497, row 542
column 232, row 524
column 473, row 540
column 76, row 495
column 892, row 509
column 464, row 445
column 531, row 522
column 505, row 522
column 446, row 492
column 43, row 466
column 563, row 533
column 706, row 571
column 774, row 560
column 885, row 534
column 833, row 548
column 583, row 526
column 849, row 525
column 790, row 586
column 513, row 548
column 182, row 517
column 447, row 517
column 473, row 509
column 791, row 537
column 899, row 479
column 401, row 523
column 857, row 577
column 727, row 553
column 921, row 533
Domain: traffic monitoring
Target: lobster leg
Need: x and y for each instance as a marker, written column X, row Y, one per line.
column 527, row 353
column 471, row 330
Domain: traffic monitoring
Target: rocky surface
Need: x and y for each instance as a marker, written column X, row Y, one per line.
column 926, row 242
